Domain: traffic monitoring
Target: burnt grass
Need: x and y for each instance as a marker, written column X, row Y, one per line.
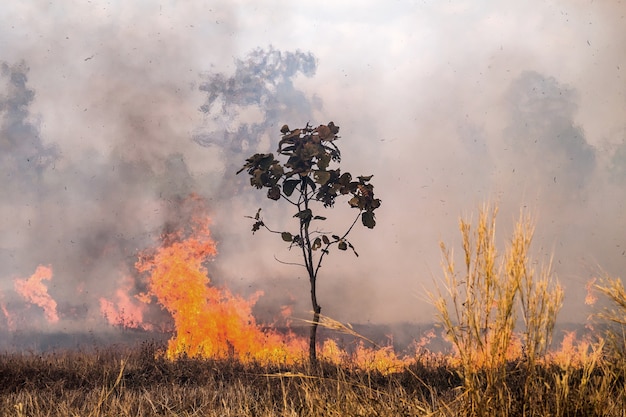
column 122, row 380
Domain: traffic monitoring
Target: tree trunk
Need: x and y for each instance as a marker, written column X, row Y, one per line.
column 307, row 251
column 316, row 319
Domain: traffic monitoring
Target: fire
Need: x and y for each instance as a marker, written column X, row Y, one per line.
column 488, row 354
column 575, row 352
column 591, row 298
column 213, row 322
column 35, row 292
column 382, row 359
column 7, row 315
column 125, row 311
column 209, row 321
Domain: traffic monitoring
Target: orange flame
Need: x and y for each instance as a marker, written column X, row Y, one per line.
column 124, row 311
column 382, row 359
column 488, row 354
column 574, row 352
column 212, row 322
column 209, row 321
column 35, row 292
column 7, row 315
column 591, row 298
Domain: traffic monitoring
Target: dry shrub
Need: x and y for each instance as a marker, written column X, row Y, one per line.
column 478, row 308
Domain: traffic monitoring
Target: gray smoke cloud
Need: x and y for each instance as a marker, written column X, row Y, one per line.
column 548, row 146
column 243, row 111
column 91, row 215
column 112, row 113
column 24, row 156
column 86, row 218
column 262, row 82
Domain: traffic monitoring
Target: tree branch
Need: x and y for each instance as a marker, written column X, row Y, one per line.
column 288, row 263
column 325, row 250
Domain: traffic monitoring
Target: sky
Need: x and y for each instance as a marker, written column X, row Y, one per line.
column 112, row 112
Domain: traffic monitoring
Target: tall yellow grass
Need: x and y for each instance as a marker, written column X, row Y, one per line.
column 480, row 304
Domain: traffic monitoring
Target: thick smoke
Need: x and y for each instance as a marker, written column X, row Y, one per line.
column 262, row 81
column 24, row 157
column 245, row 110
column 551, row 153
column 549, row 160
column 86, row 220
column 90, row 215
column 113, row 113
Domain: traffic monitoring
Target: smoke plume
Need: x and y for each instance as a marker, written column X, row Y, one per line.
column 113, row 113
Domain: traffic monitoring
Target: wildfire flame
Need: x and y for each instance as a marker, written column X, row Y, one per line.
column 125, row 311
column 209, row 321
column 591, row 298
column 212, row 322
column 574, row 352
column 35, row 292
column 7, row 315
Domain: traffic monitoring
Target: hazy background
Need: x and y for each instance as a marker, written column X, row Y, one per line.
column 113, row 111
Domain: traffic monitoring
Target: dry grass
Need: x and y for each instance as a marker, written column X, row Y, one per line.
column 499, row 313
column 139, row 382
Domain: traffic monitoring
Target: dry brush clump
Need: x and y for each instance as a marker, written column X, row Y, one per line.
column 499, row 313
column 612, row 314
column 481, row 305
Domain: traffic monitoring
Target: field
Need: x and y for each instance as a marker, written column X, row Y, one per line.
column 501, row 360
column 139, row 381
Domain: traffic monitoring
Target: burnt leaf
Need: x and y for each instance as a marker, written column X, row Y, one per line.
column 274, row 193
column 345, row 179
column 323, row 161
column 289, row 186
column 321, row 177
column 324, row 132
column 367, row 217
column 257, row 225
column 304, row 215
